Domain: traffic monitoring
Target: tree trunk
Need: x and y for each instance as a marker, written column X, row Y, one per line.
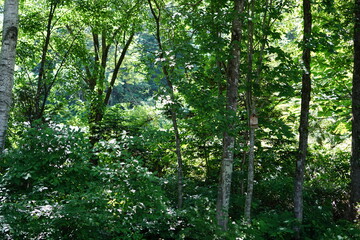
column 179, row 159
column 170, row 88
column 43, row 87
column 304, row 119
column 250, row 179
column 250, row 107
column 223, row 199
column 355, row 157
column 250, row 100
column 7, row 63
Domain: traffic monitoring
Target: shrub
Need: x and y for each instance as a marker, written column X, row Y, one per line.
column 48, row 190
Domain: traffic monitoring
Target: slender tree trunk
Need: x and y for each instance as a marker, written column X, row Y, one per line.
column 250, row 100
column 43, row 88
column 304, row 119
column 165, row 70
column 355, row 158
column 223, row 199
column 179, row 159
column 250, row 107
column 250, row 179
column 7, row 63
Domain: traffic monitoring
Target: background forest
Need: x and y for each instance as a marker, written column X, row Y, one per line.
column 126, row 112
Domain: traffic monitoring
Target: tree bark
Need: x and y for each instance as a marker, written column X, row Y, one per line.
column 355, row 157
column 304, row 119
column 7, row 63
column 223, row 199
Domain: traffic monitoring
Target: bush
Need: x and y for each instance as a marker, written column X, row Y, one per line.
column 48, row 190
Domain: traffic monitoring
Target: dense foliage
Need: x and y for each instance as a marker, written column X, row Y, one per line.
column 92, row 150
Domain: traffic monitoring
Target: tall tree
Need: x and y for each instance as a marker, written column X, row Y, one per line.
column 258, row 31
column 7, row 62
column 41, row 60
column 109, row 30
column 44, row 83
column 233, row 74
column 304, row 117
column 355, row 158
column 170, row 90
column 250, row 108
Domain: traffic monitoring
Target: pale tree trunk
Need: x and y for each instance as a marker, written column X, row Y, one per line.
column 7, row 63
column 250, row 107
column 223, row 199
column 355, row 158
column 250, row 99
column 250, row 179
column 304, row 119
column 170, row 90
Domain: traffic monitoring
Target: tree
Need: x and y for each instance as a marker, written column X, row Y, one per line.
column 43, row 53
column 170, row 90
column 109, row 29
column 43, row 86
column 7, row 63
column 355, row 157
column 233, row 74
column 260, row 27
column 304, row 117
column 251, row 112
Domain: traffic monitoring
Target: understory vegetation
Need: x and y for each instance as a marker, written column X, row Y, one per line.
column 49, row 190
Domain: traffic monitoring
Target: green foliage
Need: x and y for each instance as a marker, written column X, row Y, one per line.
column 197, row 220
column 140, row 132
column 49, row 190
column 46, row 156
column 45, row 84
column 271, row 225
